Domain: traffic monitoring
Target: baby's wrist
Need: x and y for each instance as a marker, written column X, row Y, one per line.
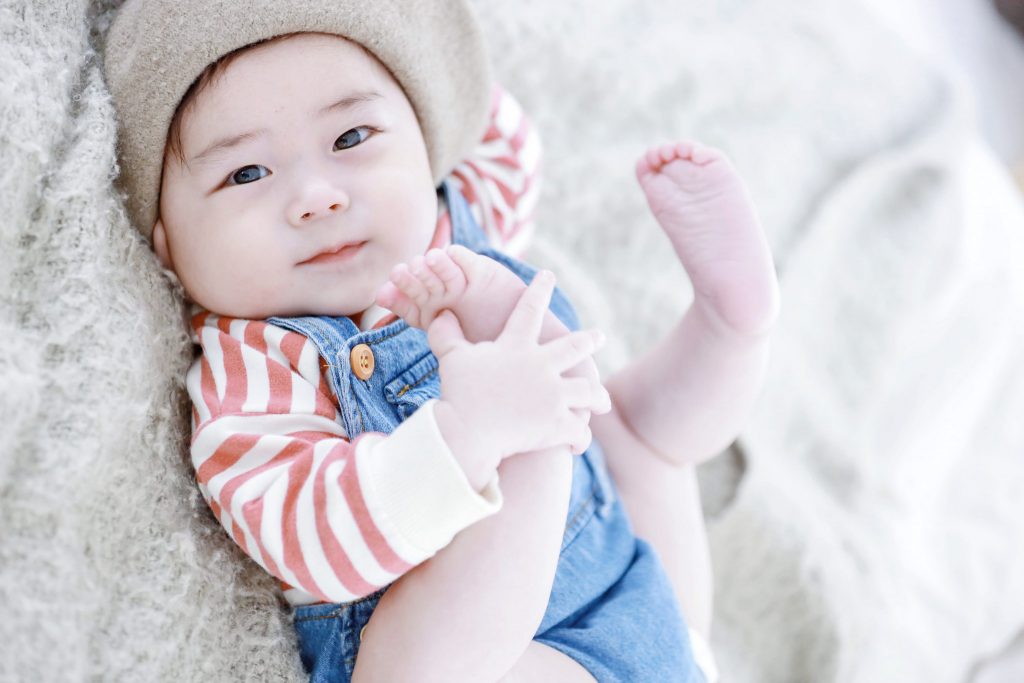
column 477, row 458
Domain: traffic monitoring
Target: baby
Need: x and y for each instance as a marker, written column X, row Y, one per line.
column 418, row 493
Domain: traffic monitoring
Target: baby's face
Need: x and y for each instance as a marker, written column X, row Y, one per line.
column 322, row 187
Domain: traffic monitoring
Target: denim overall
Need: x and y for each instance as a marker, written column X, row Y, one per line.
column 612, row 608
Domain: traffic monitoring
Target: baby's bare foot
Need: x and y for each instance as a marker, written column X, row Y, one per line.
column 478, row 290
column 701, row 203
column 422, row 288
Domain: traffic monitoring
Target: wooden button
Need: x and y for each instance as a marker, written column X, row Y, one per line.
column 362, row 633
column 362, row 361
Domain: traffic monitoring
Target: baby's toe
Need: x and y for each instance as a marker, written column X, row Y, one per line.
column 701, row 154
column 684, row 149
column 409, row 284
column 446, row 269
column 387, row 295
column 667, row 153
column 473, row 265
column 395, row 300
column 429, row 279
column 653, row 158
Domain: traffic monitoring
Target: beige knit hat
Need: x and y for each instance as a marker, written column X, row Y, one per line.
column 155, row 49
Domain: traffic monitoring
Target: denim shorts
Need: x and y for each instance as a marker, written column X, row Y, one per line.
column 612, row 608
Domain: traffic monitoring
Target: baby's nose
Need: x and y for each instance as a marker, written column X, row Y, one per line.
column 316, row 203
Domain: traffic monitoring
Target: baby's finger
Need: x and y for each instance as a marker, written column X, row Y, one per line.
column 445, row 334
column 582, row 441
column 527, row 317
column 602, row 401
column 568, row 350
column 573, row 429
column 584, row 394
column 598, row 400
column 578, row 393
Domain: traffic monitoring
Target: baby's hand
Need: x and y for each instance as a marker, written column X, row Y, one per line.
column 513, row 392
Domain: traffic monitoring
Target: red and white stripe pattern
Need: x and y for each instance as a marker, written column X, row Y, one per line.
column 271, row 455
column 501, row 180
column 273, row 461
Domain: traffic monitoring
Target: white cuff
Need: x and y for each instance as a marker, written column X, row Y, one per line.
column 416, row 489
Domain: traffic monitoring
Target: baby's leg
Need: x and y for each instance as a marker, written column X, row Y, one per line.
column 662, row 500
column 469, row 614
column 541, row 663
column 685, row 399
column 688, row 396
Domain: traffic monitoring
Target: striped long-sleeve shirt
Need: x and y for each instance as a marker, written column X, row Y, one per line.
column 336, row 518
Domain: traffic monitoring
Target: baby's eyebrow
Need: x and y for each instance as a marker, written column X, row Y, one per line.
column 346, row 102
column 225, row 143
column 349, row 101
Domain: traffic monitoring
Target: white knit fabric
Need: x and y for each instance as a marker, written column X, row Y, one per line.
column 875, row 531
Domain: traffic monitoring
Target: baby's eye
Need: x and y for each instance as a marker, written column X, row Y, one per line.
column 351, row 138
column 248, row 174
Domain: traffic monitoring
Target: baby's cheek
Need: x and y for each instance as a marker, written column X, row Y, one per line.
column 224, row 281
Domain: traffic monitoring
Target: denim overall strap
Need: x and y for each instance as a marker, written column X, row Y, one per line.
column 465, row 230
column 402, row 360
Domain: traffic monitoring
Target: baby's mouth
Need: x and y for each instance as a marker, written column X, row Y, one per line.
column 337, row 254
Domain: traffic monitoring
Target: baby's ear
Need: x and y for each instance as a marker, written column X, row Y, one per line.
column 160, row 245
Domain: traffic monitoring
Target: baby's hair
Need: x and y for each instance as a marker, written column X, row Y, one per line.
column 212, row 72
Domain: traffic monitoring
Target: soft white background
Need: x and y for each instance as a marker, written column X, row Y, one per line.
column 971, row 37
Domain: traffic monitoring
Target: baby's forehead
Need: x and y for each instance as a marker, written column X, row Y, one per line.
column 305, row 77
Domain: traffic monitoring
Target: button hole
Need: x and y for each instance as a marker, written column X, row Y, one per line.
column 404, row 389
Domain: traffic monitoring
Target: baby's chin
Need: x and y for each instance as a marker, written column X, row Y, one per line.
column 339, row 307
column 253, row 306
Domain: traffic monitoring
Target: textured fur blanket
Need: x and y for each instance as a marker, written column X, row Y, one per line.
column 867, row 525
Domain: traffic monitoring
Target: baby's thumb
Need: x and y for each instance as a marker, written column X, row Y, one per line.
column 445, row 334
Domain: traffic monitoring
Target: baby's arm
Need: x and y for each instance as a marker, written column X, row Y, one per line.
column 468, row 613
column 269, row 451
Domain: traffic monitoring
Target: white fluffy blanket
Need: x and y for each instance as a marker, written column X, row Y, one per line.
column 866, row 527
